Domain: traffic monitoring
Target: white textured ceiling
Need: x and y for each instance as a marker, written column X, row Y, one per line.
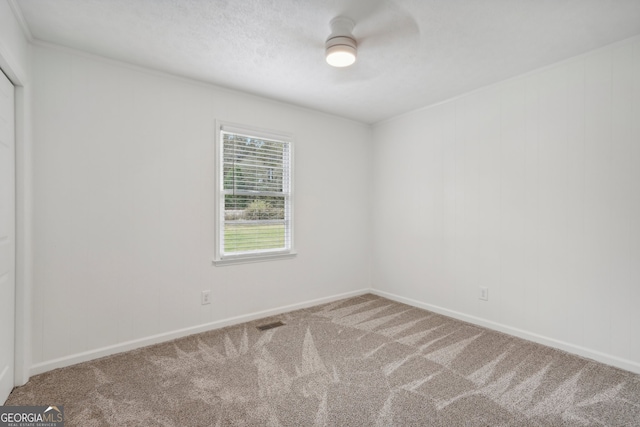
column 411, row 53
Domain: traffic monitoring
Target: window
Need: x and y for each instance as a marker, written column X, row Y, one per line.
column 254, row 215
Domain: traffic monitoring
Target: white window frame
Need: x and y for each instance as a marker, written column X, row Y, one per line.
column 220, row 258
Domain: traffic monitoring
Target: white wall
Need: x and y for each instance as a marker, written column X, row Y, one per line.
column 531, row 188
column 123, row 225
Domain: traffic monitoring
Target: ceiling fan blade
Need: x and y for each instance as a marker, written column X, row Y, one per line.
column 361, row 10
column 387, row 18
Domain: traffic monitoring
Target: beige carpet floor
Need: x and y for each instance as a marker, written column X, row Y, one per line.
column 363, row 361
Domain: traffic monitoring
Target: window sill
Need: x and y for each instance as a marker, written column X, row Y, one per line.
column 246, row 259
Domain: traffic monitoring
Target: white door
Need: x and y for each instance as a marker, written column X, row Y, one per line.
column 7, row 237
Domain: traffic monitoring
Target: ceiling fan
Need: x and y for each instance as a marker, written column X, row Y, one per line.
column 381, row 24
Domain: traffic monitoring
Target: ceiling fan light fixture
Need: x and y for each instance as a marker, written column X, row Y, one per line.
column 341, row 48
column 341, row 51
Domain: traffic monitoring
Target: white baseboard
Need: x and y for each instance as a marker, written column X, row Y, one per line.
column 561, row 345
column 168, row 336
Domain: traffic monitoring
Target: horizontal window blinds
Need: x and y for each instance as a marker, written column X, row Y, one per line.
column 256, row 186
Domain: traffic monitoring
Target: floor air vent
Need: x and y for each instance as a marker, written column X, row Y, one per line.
column 270, row 326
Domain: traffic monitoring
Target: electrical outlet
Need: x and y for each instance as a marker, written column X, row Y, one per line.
column 206, row 297
column 484, row 293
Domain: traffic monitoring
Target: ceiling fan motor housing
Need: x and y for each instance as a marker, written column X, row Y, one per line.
column 342, row 41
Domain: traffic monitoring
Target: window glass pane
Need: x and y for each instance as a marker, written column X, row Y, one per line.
column 253, row 164
column 244, row 237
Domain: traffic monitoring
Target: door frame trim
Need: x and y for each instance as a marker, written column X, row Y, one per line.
column 23, row 215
